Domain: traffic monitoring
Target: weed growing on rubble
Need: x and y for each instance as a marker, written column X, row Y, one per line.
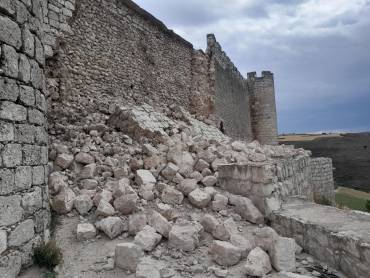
column 48, row 255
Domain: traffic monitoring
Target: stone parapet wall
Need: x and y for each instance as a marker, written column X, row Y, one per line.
column 24, row 206
column 338, row 237
column 322, row 179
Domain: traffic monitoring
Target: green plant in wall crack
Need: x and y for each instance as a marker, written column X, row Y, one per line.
column 49, row 275
column 48, row 255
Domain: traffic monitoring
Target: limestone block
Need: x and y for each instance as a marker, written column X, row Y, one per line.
column 83, row 204
column 37, row 76
column 23, row 177
column 127, row 256
column 9, row 89
column 28, row 42
column 224, row 253
column 209, row 223
column 22, row 233
column 31, row 155
column 147, row 238
column 36, row 117
column 209, row 181
column 283, row 254
column 246, row 209
column 13, row 112
column 3, row 241
column 145, row 177
column 12, row 155
column 258, row 263
column 32, row 201
column 24, row 66
column 89, row 184
column 172, row 196
column 38, row 175
column 112, row 226
column 103, row 195
column 169, row 172
column 10, row 61
column 63, row 202
column 64, row 160
column 7, row 6
column 7, row 181
column 84, row 158
column 186, row 186
column 85, row 231
column 220, row 202
column 245, row 244
column 105, row 209
column 10, row 33
column 126, row 204
column 11, row 211
column 136, row 223
column 159, row 223
column 185, row 236
column 88, row 171
column 199, row 198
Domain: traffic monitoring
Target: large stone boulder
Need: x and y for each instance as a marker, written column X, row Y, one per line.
column 63, row 202
column 85, row 231
column 246, row 209
column 283, row 254
column 185, row 236
column 225, row 253
column 83, row 204
column 126, row 204
column 258, row 263
column 144, row 177
column 159, row 223
column 147, row 238
column 199, row 198
column 172, row 196
column 112, row 226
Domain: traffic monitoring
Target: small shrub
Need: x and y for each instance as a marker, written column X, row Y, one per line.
column 48, row 255
column 49, row 275
column 368, row 205
column 322, row 200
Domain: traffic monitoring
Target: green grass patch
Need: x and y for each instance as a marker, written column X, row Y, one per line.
column 48, row 255
column 352, row 202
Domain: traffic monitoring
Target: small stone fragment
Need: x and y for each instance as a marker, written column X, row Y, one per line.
column 127, row 256
column 258, row 263
column 147, row 238
column 199, row 198
column 85, row 231
column 224, row 253
column 112, row 226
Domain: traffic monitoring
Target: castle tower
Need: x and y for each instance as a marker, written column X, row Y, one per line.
column 263, row 107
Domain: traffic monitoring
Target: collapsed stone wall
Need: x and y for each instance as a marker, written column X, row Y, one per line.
column 24, row 206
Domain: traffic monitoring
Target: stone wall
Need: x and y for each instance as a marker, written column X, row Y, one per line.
column 24, row 206
column 232, row 100
column 263, row 108
column 322, row 179
column 117, row 54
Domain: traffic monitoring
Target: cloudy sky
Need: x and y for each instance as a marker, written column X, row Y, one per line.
column 319, row 51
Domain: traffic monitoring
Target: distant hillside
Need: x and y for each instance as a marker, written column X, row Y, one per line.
column 350, row 153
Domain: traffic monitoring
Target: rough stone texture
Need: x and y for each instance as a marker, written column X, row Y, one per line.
column 85, row 231
column 322, row 179
column 245, row 208
column 112, row 226
column 283, row 254
column 22, row 187
column 224, row 253
column 128, row 255
column 147, row 238
column 159, row 223
column 338, row 237
column 258, row 263
column 199, row 198
column 184, row 237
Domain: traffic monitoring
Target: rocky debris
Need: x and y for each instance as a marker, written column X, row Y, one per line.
column 127, row 256
column 126, row 204
column 186, row 186
column 209, row 181
column 185, row 236
column 148, row 268
column 145, row 177
column 209, row 223
column 172, row 196
column 159, row 223
column 245, row 244
column 246, row 209
column 265, row 238
column 105, row 209
column 258, row 263
column 136, row 223
column 85, row 231
column 88, row 171
column 170, row 171
column 63, row 202
column 63, row 161
column 167, row 211
column 103, row 195
column 83, row 204
column 224, row 253
column 219, row 202
column 147, row 238
column 199, row 198
column 112, row 226
column 283, row 254
column 84, row 158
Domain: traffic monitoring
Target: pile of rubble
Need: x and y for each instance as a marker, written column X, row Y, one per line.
column 152, row 181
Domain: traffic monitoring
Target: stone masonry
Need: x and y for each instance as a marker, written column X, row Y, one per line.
column 24, row 205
